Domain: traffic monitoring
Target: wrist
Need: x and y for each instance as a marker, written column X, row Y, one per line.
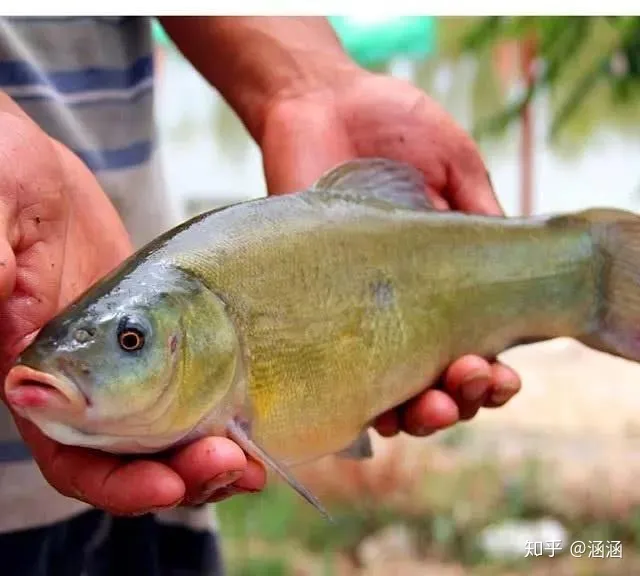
column 319, row 82
column 261, row 62
column 283, row 60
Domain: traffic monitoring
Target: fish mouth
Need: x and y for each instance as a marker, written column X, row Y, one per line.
column 28, row 389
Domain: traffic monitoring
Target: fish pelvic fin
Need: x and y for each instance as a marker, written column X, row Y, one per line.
column 616, row 324
column 366, row 179
column 360, row 449
column 239, row 432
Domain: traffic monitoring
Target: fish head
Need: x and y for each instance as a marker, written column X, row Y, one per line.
column 131, row 368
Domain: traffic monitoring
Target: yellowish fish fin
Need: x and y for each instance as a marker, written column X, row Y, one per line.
column 360, row 449
column 394, row 183
column 239, row 432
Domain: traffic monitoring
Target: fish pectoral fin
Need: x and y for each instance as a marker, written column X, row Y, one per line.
column 360, row 449
column 394, row 183
column 239, row 432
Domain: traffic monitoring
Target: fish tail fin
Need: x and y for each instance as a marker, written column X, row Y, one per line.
column 615, row 327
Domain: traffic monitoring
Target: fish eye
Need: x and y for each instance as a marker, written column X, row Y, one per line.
column 132, row 334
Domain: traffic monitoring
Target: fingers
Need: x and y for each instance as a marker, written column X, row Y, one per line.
column 475, row 383
column 120, row 487
column 505, row 385
column 473, row 193
column 431, row 411
column 253, row 480
column 207, row 470
column 452, row 161
column 211, row 465
column 469, row 188
column 470, row 383
column 438, row 201
column 108, row 482
column 388, row 424
column 449, row 158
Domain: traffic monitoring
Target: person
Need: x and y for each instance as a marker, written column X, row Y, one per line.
column 81, row 186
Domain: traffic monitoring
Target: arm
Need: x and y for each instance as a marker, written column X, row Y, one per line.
column 257, row 61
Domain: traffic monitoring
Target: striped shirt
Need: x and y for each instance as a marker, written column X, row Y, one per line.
column 88, row 82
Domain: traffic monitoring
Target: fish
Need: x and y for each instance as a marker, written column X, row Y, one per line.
column 290, row 323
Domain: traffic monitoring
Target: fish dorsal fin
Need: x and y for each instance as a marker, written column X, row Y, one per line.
column 239, row 432
column 392, row 182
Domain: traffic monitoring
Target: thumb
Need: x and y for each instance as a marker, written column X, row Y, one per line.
column 33, row 216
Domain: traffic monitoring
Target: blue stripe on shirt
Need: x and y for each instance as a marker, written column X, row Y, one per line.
column 16, row 73
column 118, row 159
column 124, row 100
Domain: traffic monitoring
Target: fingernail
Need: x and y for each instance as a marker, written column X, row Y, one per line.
column 502, row 395
column 219, row 483
column 156, row 509
column 473, row 388
column 223, row 494
column 221, row 480
column 424, row 431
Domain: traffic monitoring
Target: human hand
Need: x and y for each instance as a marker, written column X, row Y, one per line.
column 58, row 234
column 366, row 115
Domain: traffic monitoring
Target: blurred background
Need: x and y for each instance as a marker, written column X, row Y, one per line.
column 554, row 103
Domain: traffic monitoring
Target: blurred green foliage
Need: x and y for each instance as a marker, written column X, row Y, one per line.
column 585, row 63
column 264, row 533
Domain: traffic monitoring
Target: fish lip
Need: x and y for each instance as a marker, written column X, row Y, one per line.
column 61, row 382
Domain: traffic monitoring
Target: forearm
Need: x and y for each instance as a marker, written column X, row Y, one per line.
column 256, row 61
